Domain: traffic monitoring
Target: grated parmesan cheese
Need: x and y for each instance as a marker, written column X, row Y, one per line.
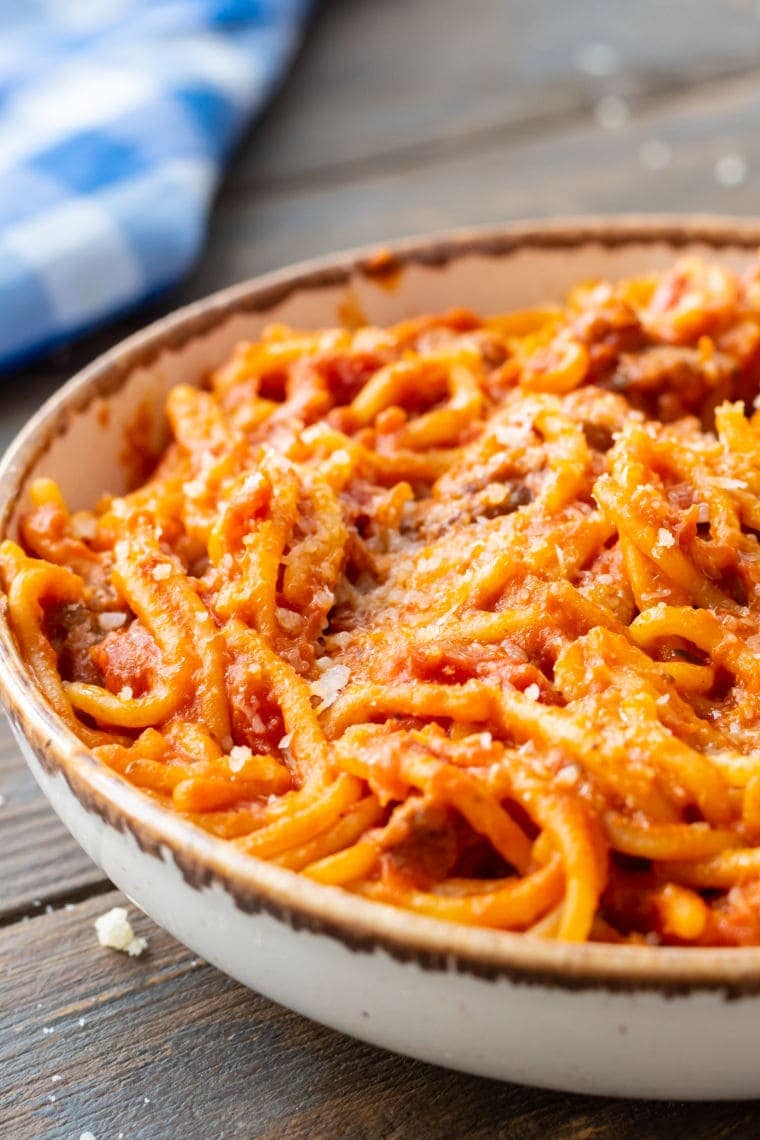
column 238, row 757
column 111, row 620
column 729, row 484
column 115, row 933
column 665, row 538
column 194, row 488
column 568, row 776
column 84, row 526
column 329, row 686
column 291, row 622
column 126, row 693
column 162, row 572
column 285, row 741
column 532, row 692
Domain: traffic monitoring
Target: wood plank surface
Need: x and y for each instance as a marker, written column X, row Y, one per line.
column 399, row 117
column 376, row 81
column 577, row 168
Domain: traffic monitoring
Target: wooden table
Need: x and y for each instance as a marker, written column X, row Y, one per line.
column 399, row 117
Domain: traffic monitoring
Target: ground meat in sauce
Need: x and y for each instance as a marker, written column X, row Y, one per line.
column 128, row 658
column 73, row 631
column 425, row 847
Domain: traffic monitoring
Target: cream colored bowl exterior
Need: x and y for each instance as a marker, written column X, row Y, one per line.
column 624, row 1044
column 627, row 1021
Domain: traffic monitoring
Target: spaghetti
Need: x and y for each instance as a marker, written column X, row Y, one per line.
column 462, row 615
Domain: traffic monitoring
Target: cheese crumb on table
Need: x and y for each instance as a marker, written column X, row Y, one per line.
column 115, row 933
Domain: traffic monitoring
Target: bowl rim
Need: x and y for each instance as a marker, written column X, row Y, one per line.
column 256, row 886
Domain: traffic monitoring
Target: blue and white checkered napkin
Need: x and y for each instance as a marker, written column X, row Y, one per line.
column 115, row 119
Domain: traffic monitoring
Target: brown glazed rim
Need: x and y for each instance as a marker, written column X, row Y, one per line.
column 255, row 886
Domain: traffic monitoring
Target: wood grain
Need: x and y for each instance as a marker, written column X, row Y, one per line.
column 170, row 1047
column 41, row 864
column 579, row 168
column 378, row 81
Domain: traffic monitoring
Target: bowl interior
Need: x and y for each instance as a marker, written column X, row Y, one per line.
column 93, row 443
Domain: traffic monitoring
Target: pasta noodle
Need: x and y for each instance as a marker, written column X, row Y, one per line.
column 461, row 616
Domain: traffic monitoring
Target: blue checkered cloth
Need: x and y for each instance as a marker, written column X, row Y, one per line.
column 116, row 117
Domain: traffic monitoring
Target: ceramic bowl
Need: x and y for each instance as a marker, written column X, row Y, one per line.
column 628, row 1021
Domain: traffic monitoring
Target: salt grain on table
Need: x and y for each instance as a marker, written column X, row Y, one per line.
column 655, row 154
column 611, row 112
column 597, row 60
column 730, row 170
